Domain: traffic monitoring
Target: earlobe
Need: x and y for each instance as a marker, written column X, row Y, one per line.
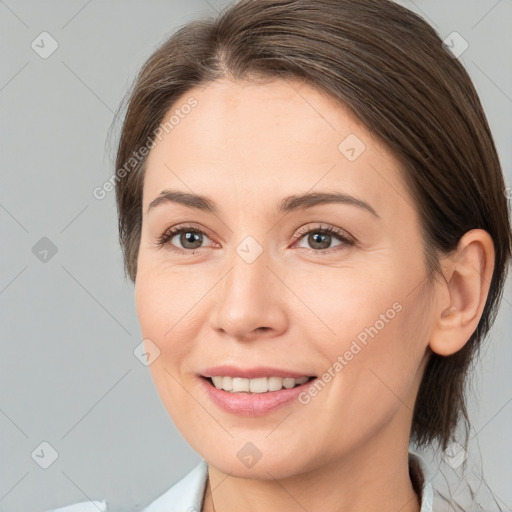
column 468, row 278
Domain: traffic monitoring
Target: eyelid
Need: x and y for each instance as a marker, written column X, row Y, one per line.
column 320, row 227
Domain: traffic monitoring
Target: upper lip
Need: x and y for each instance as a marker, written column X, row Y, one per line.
column 251, row 373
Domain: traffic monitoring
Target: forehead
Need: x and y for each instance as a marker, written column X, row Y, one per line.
column 264, row 140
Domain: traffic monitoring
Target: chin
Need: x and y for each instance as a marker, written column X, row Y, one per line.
column 248, row 461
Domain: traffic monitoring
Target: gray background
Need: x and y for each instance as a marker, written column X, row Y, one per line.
column 68, row 374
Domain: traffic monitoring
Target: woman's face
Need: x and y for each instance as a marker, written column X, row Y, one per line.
column 265, row 288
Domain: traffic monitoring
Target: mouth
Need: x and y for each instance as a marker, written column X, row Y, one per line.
column 255, row 396
column 259, row 385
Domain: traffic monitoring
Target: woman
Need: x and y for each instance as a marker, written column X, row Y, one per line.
column 312, row 210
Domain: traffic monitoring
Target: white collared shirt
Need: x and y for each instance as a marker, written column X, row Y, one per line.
column 187, row 494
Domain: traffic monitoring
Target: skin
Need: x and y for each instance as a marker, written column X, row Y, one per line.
column 247, row 146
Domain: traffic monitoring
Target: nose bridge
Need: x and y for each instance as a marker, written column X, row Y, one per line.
column 248, row 297
column 247, row 285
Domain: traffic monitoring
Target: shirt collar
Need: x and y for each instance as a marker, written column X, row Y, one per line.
column 188, row 493
column 422, row 481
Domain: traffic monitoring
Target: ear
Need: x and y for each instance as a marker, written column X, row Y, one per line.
column 468, row 273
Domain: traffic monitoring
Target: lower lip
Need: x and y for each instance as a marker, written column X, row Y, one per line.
column 252, row 404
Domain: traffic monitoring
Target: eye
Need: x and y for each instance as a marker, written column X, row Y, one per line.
column 320, row 237
column 189, row 236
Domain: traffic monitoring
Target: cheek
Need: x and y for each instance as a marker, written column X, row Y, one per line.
column 371, row 332
column 166, row 304
column 345, row 305
column 166, row 315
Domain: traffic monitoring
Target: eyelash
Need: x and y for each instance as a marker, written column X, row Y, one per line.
column 328, row 230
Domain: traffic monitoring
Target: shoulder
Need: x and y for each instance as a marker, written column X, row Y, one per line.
column 84, row 506
column 185, row 495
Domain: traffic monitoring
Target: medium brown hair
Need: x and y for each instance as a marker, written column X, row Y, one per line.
column 388, row 66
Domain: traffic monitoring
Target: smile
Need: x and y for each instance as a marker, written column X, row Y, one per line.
column 257, row 385
column 254, row 397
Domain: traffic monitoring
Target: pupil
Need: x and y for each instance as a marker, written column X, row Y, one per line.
column 189, row 236
column 314, row 241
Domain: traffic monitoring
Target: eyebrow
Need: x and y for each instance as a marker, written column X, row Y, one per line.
column 288, row 204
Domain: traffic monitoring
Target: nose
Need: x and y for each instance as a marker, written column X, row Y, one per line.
column 250, row 300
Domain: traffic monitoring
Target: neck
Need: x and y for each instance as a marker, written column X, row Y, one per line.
column 370, row 479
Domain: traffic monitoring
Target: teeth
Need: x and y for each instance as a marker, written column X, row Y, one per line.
column 258, row 385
